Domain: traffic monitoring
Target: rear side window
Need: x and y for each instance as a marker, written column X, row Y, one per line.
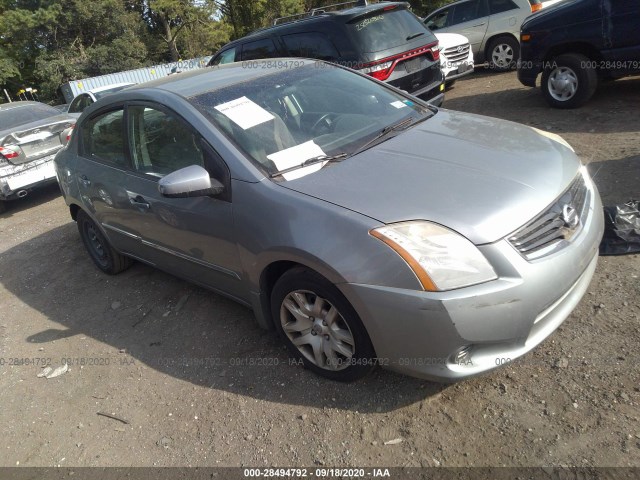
column 103, row 138
column 264, row 48
column 499, row 6
column 80, row 103
column 468, row 11
column 228, row 56
column 383, row 30
column 310, row 45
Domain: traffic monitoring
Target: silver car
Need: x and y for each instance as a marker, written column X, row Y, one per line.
column 365, row 226
column 492, row 27
column 31, row 133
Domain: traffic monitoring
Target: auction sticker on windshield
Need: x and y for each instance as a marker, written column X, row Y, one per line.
column 244, row 112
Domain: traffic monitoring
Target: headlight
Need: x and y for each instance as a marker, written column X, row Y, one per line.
column 440, row 258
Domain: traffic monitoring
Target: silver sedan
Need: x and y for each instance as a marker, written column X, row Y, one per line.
column 367, row 227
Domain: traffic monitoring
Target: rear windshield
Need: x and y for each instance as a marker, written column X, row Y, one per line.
column 14, row 117
column 383, row 30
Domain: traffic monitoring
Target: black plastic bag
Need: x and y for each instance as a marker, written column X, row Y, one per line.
column 621, row 229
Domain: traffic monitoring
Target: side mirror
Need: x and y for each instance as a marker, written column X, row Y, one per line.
column 191, row 181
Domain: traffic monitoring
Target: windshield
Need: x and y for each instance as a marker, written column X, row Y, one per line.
column 14, row 117
column 286, row 118
column 384, row 30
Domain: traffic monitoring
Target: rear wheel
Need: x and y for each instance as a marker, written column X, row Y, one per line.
column 320, row 327
column 569, row 81
column 99, row 248
column 3, row 206
column 503, row 53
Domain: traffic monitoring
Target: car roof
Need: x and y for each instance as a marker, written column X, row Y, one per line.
column 343, row 15
column 213, row 78
column 107, row 87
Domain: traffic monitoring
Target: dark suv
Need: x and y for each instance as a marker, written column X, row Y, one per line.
column 575, row 43
column 385, row 40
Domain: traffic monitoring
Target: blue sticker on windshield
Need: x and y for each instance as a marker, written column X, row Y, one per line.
column 408, row 103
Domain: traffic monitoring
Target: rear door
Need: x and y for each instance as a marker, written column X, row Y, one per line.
column 101, row 175
column 470, row 19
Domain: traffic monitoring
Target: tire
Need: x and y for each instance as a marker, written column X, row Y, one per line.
column 503, row 53
column 99, row 248
column 3, row 206
column 332, row 339
column 569, row 81
column 449, row 84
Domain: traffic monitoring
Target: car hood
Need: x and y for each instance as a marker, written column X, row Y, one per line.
column 479, row 176
column 448, row 40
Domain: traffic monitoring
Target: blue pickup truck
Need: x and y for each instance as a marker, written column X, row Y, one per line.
column 577, row 43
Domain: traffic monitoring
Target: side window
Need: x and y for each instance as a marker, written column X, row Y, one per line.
column 228, row 56
column 310, row 45
column 103, row 138
column 160, row 142
column 499, row 6
column 439, row 20
column 466, row 12
column 259, row 49
column 79, row 103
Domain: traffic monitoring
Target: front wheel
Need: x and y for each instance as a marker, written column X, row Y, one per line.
column 320, row 327
column 569, row 81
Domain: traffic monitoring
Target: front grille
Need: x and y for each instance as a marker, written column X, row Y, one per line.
column 558, row 223
column 457, row 53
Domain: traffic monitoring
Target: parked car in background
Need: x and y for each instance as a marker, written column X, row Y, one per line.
column 83, row 100
column 492, row 27
column 366, row 226
column 456, row 57
column 63, row 108
column 31, row 133
column 574, row 44
column 384, row 40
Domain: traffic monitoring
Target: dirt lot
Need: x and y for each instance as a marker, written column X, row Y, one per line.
column 164, row 355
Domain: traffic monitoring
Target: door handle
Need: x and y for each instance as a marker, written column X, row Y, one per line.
column 479, row 25
column 140, row 202
column 85, row 181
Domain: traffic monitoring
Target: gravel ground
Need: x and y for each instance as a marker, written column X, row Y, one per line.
column 196, row 382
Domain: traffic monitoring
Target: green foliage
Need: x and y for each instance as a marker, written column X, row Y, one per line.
column 45, row 43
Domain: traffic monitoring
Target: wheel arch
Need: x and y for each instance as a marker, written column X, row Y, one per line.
column 274, row 270
column 488, row 41
column 73, row 210
column 582, row 48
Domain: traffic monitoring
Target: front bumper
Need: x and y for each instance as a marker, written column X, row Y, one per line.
column 462, row 70
column 528, row 72
column 420, row 333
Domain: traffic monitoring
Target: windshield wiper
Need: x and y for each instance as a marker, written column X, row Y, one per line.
column 311, row 161
column 414, row 35
column 384, row 132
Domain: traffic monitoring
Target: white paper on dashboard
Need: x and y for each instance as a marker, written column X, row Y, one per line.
column 294, row 156
column 244, row 112
column 399, row 104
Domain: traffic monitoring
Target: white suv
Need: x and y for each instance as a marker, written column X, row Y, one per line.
column 492, row 27
column 456, row 57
